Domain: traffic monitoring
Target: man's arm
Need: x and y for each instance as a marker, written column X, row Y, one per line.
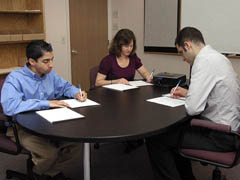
column 65, row 88
column 13, row 103
column 202, row 82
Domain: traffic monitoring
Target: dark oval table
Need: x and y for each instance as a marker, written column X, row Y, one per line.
column 120, row 116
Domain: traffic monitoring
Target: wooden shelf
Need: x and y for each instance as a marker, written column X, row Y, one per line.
column 8, row 70
column 20, row 37
column 36, row 11
column 21, row 21
column 233, row 57
column 28, row 37
column 4, row 38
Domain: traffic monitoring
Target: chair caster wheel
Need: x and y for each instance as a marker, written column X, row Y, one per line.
column 96, row 146
column 8, row 176
column 216, row 174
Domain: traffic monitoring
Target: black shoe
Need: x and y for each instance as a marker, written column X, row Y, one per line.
column 41, row 177
column 60, row 176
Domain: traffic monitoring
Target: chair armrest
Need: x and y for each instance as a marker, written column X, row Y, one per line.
column 10, row 146
column 3, row 117
column 3, row 120
column 211, row 125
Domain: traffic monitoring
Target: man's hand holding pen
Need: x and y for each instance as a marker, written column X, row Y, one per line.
column 178, row 92
column 82, row 97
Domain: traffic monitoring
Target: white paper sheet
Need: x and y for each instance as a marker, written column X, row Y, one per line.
column 59, row 114
column 167, row 101
column 73, row 103
column 119, row 87
column 139, row 83
column 170, row 96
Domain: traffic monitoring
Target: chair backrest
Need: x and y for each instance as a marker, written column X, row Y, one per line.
column 1, row 85
column 2, row 117
column 6, row 144
column 93, row 76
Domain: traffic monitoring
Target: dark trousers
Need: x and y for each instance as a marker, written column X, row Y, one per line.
column 168, row 164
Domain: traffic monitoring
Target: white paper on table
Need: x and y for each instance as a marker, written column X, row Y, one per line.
column 73, row 103
column 167, row 101
column 59, row 114
column 139, row 83
column 119, row 87
column 170, row 96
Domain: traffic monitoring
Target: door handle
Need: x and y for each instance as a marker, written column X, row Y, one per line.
column 74, row 51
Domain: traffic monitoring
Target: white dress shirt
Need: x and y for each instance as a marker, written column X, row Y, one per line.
column 214, row 91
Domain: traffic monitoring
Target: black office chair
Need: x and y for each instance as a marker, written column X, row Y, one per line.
column 10, row 147
column 93, row 76
column 217, row 159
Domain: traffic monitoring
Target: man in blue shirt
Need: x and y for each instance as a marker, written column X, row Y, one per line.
column 36, row 87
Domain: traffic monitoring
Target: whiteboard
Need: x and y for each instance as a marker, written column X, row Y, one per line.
column 218, row 20
column 160, row 22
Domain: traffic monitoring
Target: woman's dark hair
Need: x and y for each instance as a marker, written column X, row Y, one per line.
column 189, row 34
column 123, row 37
column 36, row 48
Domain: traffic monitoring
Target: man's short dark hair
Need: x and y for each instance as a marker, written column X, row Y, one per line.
column 189, row 34
column 36, row 48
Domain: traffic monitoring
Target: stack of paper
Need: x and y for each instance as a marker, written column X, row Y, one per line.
column 139, row 83
column 73, row 103
column 119, row 87
column 59, row 114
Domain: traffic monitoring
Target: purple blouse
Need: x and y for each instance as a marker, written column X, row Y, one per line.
column 112, row 70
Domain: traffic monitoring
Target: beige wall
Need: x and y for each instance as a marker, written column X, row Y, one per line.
column 57, row 33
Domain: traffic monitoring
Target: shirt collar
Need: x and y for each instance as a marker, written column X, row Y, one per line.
column 201, row 52
column 30, row 73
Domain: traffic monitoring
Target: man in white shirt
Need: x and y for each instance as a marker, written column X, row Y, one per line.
column 213, row 94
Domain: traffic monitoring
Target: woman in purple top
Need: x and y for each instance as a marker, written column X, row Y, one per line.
column 122, row 62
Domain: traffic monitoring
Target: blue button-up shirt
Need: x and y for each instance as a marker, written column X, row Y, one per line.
column 24, row 90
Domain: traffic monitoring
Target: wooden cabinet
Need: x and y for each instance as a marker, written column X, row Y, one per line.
column 20, row 22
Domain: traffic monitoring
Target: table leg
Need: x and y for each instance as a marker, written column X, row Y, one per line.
column 86, row 161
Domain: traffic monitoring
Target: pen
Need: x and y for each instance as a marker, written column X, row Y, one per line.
column 80, row 91
column 176, row 86
column 151, row 75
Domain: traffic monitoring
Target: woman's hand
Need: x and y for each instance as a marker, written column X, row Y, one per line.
column 145, row 74
column 120, row 81
column 149, row 78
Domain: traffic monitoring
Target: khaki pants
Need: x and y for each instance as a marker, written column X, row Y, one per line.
column 48, row 157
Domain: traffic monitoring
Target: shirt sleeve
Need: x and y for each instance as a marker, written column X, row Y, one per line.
column 63, row 87
column 202, row 82
column 105, row 65
column 138, row 63
column 12, row 99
